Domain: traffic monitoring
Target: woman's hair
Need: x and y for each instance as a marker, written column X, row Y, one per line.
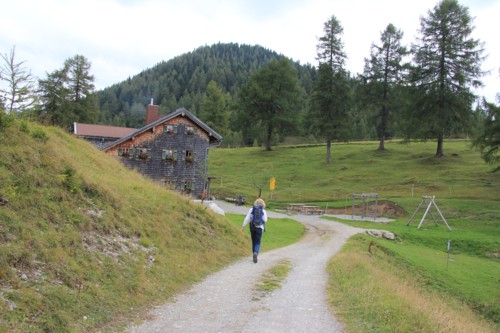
column 260, row 202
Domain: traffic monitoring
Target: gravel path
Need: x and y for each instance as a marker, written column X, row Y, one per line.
column 226, row 301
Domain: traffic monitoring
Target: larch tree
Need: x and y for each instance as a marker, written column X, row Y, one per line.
column 214, row 108
column 81, row 88
column 271, row 100
column 331, row 96
column 488, row 140
column 383, row 73
column 19, row 91
column 447, row 65
column 330, row 48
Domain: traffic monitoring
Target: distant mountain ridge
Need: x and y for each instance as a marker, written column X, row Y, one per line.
column 182, row 81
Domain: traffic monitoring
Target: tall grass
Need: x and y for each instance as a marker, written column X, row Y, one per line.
column 371, row 292
column 84, row 240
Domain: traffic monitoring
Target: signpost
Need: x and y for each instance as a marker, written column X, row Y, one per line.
column 272, row 185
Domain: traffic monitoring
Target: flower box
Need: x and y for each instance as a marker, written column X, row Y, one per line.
column 143, row 156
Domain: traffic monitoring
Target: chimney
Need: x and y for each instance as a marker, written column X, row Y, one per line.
column 151, row 113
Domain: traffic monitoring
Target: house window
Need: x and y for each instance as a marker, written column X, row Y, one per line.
column 169, row 155
column 125, row 152
column 188, row 156
column 170, row 183
column 188, row 185
column 170, row 129
column 143, row 153
column 190, row 130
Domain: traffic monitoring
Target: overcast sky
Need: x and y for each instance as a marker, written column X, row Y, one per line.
column 121, row 38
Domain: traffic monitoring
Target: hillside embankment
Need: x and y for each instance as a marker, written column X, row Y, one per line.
column 85, row 240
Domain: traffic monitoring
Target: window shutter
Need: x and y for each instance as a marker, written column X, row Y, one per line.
column 174, row 155
column 175, row 129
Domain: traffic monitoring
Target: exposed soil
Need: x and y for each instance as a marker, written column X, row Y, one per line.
column 382, row 208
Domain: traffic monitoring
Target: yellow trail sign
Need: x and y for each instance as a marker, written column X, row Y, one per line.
column 272, row 184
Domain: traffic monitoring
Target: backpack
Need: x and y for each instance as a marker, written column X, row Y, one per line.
column 257, row 216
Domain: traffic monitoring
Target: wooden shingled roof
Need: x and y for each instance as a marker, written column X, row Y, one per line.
column 213, row 135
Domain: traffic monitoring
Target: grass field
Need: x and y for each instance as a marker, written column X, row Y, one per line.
column 465, row 287
column 403, row 171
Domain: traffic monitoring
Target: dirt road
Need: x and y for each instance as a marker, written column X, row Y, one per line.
column 226, row 301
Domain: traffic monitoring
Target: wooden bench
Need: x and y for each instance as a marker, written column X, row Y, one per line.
column 294, row 208
column 303, row 209
column 311, row 210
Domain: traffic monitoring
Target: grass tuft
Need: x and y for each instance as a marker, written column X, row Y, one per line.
column 273, row 277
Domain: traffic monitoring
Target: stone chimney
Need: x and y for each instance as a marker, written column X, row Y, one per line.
column 151, row 113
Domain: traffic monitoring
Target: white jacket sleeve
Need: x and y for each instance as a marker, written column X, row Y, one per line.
column 248, row 218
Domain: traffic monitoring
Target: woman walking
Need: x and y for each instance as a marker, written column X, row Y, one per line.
column 257, row 217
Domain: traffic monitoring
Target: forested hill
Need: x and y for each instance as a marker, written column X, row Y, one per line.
column 182, row 81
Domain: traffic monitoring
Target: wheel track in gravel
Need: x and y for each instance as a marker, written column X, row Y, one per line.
column 225, row 301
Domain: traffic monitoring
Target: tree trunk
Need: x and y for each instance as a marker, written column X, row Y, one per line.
column 269, row 138
column 383, row 125
column 328, row 151
column 439, row 151
column 381, row 145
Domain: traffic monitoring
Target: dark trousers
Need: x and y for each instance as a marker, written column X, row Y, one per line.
column 256, row 234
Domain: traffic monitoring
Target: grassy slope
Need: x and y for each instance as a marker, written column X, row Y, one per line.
column 378, row 292
column 303, row 176
column 467, row 193
column 84, row 240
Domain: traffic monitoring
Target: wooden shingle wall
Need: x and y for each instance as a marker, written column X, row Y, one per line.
column 178, row 174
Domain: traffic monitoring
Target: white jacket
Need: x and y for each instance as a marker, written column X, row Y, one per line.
column 248, row 218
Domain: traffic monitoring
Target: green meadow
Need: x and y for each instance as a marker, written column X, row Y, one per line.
column 403, row 171
column 459, row 288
